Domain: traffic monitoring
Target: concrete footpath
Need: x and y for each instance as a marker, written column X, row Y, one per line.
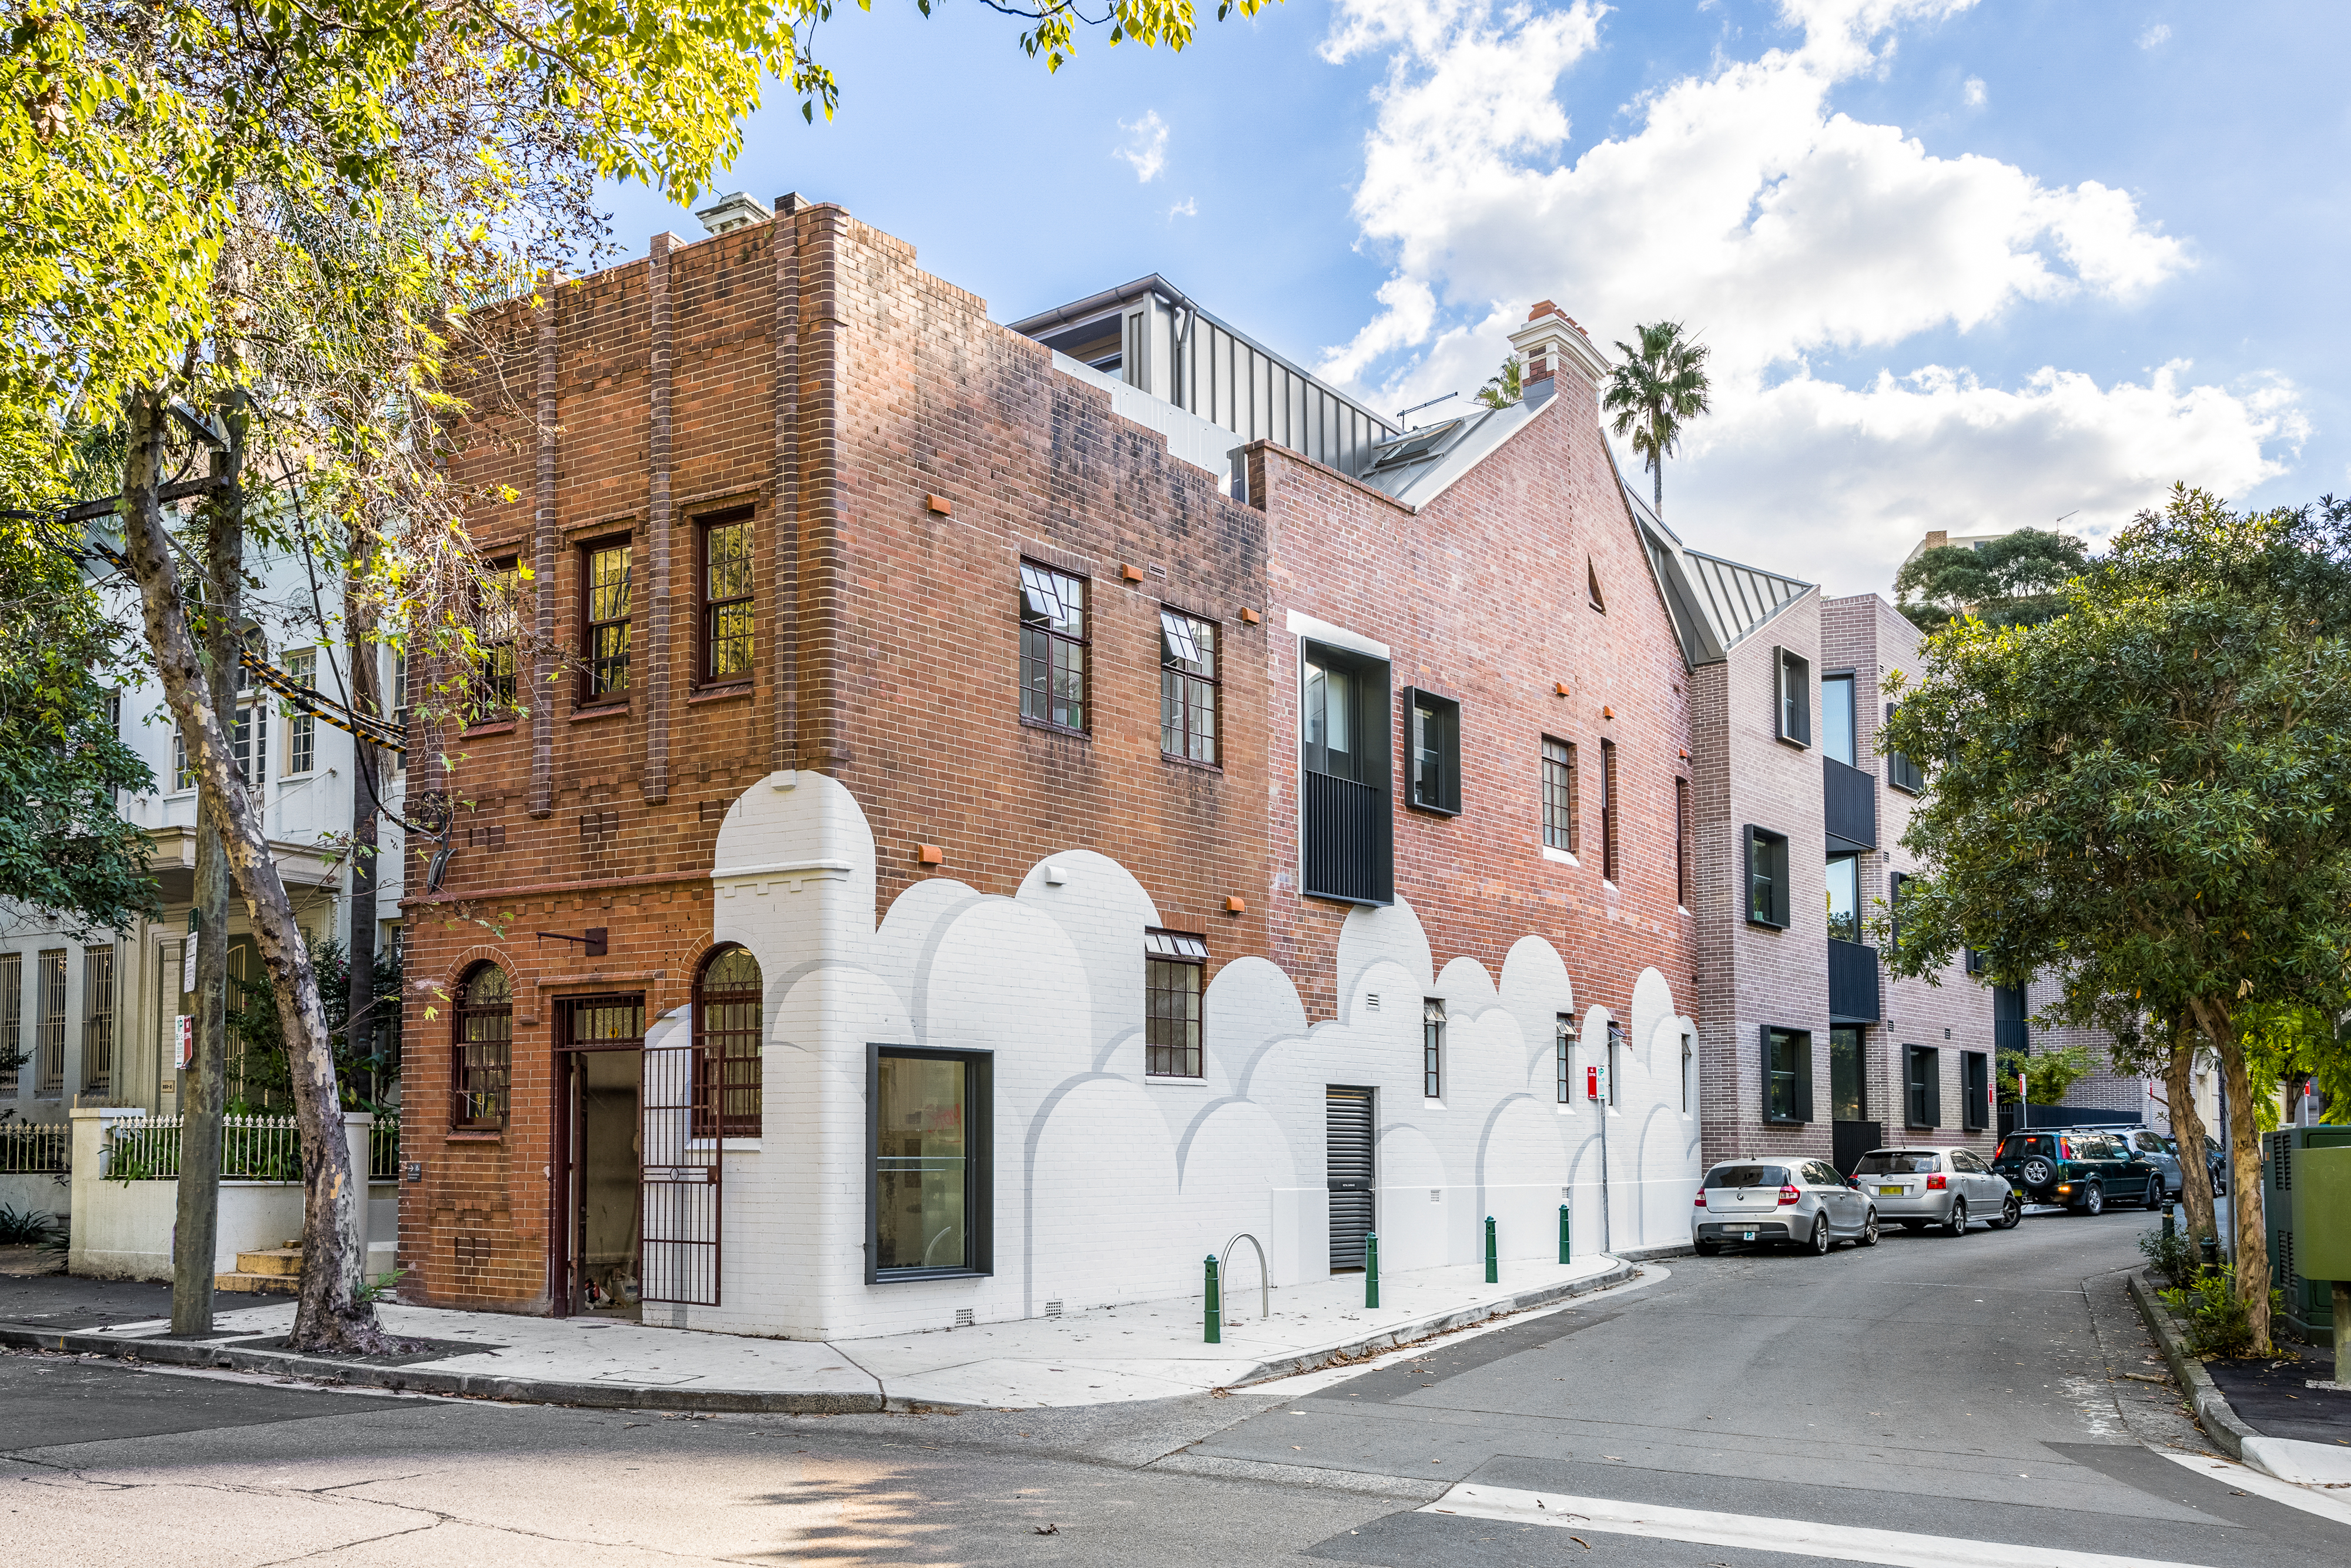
column 1145, row 1350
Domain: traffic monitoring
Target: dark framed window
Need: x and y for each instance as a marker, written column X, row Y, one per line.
column 1838, row 719
column 1563, row 1052
column 1436, row 751
column 727, row 1038
column 1432, row 1048
column 1975, row 1082
column 1848, row 1085
column 1682, row 843
column 1173, row 965
column 929, row 1146
column 499, row 623
column 1845, row 898
column 1188, row 679
column 604, row 620
column 1901, row 771
column 1787, row 1074
column 98, row 1019
column 1792, row 695
column 1053, row 642
column 1767, row 878
column 1611, row 862
column 1559, row 796
column 1343, row 736
column 481, row 1057
column 1922, row 1086
column 724, row 565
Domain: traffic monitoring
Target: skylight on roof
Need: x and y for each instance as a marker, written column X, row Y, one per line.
column 1414, row 447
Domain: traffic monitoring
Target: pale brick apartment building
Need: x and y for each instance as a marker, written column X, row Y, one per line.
column 983, row 814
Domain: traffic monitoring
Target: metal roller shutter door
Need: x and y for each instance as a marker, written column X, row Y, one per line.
column 1348, row 1120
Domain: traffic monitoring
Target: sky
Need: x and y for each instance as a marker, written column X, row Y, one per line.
column 1967, row 265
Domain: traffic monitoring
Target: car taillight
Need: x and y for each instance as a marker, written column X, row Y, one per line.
column 1789, row 1195
column 1934, row 1184
column 1701, row 1199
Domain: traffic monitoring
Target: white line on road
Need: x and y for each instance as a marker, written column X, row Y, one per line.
column 2244, row 1477
column 1846, row 1542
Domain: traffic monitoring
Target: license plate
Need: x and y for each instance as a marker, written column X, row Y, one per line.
column 1889, row 1192
column 1749, row 1237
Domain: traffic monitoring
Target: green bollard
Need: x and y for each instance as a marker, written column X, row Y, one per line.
column 1493, row 1268
column 1565, row 1254
column 1215, row 1314
column 1371, row 1269
column 2169, row 1228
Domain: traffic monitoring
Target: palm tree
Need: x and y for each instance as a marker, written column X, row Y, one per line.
column 1503, row 388
column 1653, row 390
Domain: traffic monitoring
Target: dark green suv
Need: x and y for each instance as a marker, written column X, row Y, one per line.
column 2084, row 1171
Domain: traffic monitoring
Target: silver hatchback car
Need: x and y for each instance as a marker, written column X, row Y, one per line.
column 1804, row 1202
column 1944, row 1188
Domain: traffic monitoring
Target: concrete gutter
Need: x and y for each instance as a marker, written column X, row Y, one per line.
column 229, row 1355
column 2288, row 1458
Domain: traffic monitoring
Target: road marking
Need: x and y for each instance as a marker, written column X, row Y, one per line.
column 2260, row 1484
column 1847, row 1544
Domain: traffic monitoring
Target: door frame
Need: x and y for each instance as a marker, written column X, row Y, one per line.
column 563, row 1180
column 1371, row 1094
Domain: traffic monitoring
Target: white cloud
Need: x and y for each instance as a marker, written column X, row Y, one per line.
column 1972, row 90
column 1781, row 230
column 1146, row 145
column 1186, row 208
column 2156, row 37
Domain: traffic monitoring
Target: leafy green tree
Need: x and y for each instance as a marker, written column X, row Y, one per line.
column 2149, row 796
column 2017, row 580
column 1504, row 387
column 2048, row 1074
column 1654, row 391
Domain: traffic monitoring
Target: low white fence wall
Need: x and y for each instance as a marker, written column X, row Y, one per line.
column 123, row 1229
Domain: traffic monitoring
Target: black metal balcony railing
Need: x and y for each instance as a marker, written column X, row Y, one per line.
column 1853, row 983
column 1849, row 805
column 1346, row 836
column 2012, row 1034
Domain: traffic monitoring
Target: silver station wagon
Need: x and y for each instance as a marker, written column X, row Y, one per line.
column 1803, row 1202
column 1944, row 1188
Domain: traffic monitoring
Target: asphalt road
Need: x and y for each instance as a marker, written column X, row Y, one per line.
column 1986, row 1399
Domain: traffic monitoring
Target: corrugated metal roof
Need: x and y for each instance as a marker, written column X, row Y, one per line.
column 1716, row 604
column 1421, row 466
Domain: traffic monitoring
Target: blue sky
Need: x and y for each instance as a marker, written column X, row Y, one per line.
column 1965, row 264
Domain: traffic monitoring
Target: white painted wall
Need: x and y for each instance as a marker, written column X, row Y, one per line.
column 1109, row 1187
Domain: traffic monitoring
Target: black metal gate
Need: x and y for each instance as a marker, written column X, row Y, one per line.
column 1347, row 1123
column 1851, row 1140
column 683, row 1140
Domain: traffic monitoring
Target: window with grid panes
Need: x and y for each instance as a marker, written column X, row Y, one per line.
column 1609, row 866
column 1682, row 843
column 483, row 1050
column 12, row 1023
column 1173, row 966
column 1188, row 686
column 1563, row 1053
column 50, row 1021
column 1432, row 1048
column 1052, row 648
column 98, row 1019
column 501, row 625
column 726, row 598
column 1559, row 796
column 302, row 728
column 727, row 1012
column 605, row 626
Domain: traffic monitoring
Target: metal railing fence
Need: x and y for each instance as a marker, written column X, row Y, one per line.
column 383, row 1149
column 36, row 1148
column 253, row 1148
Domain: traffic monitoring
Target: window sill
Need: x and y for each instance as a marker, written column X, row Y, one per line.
column 1610, row 885
column 1765, row 924
column 729, row 1145
column 608, row 710
column 1431, row 810
column 1175, row 1081
column 909, row 1276
column 1561, row 856
column 1039, row 724
column 719, row 694
column 1170, row 757
column 1428, row 1105
column 496, row 727
column 496, row 1137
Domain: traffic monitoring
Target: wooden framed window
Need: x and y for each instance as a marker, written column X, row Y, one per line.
column 1432, row 1048
column 1189, row 681
column 726, row 618
column 498, row 627
column 728, row 1037
column 98, row 1019
column 1053, row 642
column 604, row 621
column 1610, row 860
column 302, row 728
column 1173, row 965
column 1559, row 805
column 1682, row 843
column 481, row 1053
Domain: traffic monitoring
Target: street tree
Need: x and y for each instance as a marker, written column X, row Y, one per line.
column 2149, row 796
column 1505, row 386
column 1652, row 393
column 2016, row 580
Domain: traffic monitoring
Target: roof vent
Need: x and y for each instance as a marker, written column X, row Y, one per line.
column 736, row 209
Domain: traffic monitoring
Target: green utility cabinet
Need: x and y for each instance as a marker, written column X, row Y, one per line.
column 2307, row 1199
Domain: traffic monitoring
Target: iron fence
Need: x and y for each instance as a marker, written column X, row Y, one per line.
column 36, row 1148
column 383, row 1149
column 253, row 1148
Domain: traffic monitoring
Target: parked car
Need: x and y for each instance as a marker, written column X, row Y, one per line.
column 1801, row 1202
column 1943, row 1188
column 2080, row 1169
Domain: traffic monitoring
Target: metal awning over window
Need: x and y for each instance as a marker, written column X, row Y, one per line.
column 1175, row 945
column 1043, row 593
column 1177, row 629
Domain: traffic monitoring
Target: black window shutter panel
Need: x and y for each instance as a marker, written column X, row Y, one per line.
column 1453, row 759
column 1804, row 1077
column 1800, row 673
column 1780, row 694
column 1766, row 1035
column 1934, row 1066
column 1747, row 871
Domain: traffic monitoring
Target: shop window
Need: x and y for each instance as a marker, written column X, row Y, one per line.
column 930, row 1184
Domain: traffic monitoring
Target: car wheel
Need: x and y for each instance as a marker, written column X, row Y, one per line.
column 1957, row 1224
column 1868, row 1236
column 2011, row 1212
column 1819, row 1245
column 2038, row 1172
column 2154, row 1195
column 1708, row 1248
column 2093, row 1200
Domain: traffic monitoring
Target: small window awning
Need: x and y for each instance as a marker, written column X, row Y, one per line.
column 1175, row 945
column 1177, row 630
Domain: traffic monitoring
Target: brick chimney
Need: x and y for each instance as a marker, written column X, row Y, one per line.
column 1551, row 342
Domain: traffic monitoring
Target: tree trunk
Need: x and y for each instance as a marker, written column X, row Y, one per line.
column 2188, row 1131
column 2247, row 1226
column 362, row 1017
column 196, row 1234
column 332, row 1315
column 1658, row 489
